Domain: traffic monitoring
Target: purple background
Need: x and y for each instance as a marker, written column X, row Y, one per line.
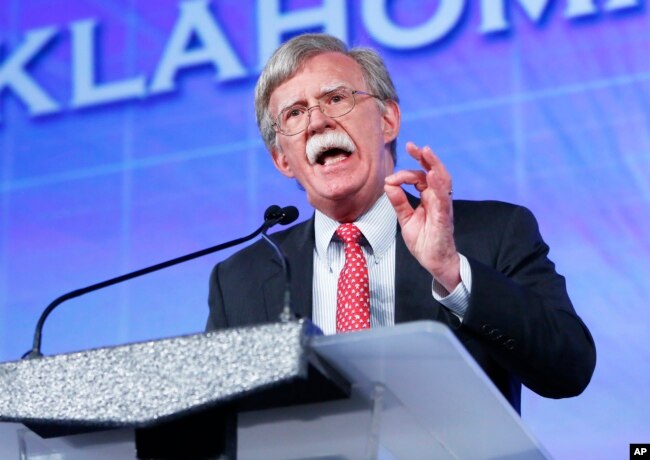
column 552, row 114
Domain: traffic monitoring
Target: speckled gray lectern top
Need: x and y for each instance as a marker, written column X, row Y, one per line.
column 139, row 383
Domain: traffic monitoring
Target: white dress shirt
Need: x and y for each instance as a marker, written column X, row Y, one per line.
column 379, row 227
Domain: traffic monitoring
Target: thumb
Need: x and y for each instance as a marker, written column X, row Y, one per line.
column 397, row 198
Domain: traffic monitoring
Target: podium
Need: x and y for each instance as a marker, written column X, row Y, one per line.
column 276, row 391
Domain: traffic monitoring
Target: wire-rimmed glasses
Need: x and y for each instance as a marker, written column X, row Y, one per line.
column 336, row 103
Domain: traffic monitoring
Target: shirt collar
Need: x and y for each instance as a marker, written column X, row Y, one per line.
column 378, row 226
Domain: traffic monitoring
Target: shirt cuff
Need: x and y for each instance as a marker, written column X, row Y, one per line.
column 458, row 300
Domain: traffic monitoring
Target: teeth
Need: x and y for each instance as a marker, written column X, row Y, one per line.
column 332, row 160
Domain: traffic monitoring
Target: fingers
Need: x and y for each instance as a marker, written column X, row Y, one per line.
column 424, row 156
column 418, row 154
column 437, row 176
column 408, row 176
column 440, row 186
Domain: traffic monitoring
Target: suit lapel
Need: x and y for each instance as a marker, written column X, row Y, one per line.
column 413, row 298
column 301, row 258
column 299, row 249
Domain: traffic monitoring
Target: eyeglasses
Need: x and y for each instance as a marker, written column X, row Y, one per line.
column 294, row 120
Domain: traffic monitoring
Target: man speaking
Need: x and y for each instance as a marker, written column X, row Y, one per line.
column 373, row 255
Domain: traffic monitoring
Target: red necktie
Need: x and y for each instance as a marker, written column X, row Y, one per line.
column 353, row 296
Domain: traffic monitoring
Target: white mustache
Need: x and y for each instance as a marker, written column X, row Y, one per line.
column 329, row 140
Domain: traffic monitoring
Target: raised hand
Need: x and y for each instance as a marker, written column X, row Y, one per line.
column 428, row 230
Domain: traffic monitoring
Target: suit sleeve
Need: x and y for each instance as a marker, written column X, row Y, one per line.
column 520, row 310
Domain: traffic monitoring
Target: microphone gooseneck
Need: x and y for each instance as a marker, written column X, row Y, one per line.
column 272, row 216
column 284, row 216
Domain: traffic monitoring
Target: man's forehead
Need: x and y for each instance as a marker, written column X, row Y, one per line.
column 301, row 93
column 318, row 75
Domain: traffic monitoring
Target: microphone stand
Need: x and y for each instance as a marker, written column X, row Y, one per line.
column 272, row 216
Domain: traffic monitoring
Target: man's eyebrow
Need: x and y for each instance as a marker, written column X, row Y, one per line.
column 301, row 101
column 332, row 87
column 297, row 100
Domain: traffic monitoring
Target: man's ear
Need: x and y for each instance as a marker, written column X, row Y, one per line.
column 281, row 163
column 392, row 119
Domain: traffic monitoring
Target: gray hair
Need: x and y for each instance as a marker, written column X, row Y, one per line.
column 286, row 61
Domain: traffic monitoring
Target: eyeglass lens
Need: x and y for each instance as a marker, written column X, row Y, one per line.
column 295, row 119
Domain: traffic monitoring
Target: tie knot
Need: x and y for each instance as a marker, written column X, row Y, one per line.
column 349, row 233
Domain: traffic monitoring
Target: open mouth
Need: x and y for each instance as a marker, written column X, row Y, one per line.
column 331, row 156
column 329, row 148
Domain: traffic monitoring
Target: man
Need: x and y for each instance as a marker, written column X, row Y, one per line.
column 330, row 118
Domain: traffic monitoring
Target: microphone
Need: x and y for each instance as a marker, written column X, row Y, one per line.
column 284, row 216
column 272, row 216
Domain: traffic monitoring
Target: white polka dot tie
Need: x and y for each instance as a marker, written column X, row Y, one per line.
column 353, row 296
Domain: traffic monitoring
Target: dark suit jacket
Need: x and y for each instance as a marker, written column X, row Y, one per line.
column 520, row 325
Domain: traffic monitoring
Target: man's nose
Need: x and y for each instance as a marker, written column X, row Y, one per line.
column 318, row 121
